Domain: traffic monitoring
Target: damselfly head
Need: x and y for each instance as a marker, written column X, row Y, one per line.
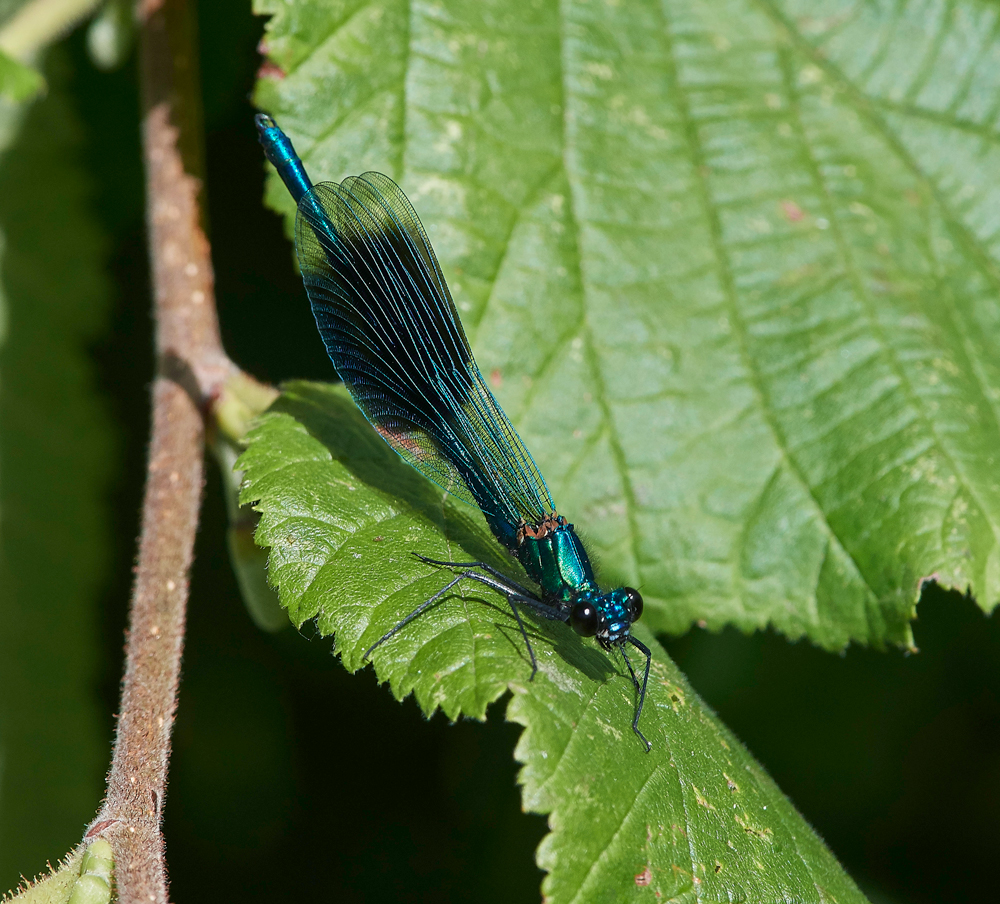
column 606, row 616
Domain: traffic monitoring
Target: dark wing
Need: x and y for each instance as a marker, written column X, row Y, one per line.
column 391, row 329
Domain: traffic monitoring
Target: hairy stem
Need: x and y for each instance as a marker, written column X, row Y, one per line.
column 191, row 369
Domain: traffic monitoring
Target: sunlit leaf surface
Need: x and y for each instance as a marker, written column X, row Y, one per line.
column 731, row 268
column 695, row 819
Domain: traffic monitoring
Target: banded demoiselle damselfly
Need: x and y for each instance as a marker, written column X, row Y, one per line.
column 392, row 331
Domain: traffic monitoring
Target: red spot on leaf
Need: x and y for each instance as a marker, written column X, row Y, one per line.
column 270, row 70
column 645, row 877
column 792, row 211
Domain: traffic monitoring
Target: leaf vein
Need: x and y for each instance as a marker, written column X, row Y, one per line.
column 728, row 287
column 864, row 296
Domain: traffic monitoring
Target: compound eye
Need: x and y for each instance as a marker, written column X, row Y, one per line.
column 634, row 600
column 583, row 618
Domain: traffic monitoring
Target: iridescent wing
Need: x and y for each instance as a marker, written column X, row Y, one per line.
column 391, row 329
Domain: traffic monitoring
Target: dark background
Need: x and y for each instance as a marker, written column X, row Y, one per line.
column 292, row 779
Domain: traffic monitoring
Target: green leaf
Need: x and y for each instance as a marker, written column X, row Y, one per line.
column 55, row 888
column 695, row 819
column 17, row 81
column 84, row 877
column 731, row 267
column 240, row 401
column 55, row 446
column 342, row 515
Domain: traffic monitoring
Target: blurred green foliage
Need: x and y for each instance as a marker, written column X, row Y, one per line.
column 56, row 457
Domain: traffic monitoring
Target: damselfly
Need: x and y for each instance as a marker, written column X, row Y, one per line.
column 392, row 331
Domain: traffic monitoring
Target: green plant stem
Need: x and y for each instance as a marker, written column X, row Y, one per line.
column 191, row 370
column 40, row 22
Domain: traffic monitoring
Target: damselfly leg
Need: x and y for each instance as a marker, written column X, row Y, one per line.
column 511, row 590
column 483, row 566
column 640, row 688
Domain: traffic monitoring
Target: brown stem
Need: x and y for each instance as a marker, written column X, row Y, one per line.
column 191, row 370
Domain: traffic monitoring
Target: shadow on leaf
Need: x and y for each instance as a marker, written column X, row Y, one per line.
column 331, row 417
